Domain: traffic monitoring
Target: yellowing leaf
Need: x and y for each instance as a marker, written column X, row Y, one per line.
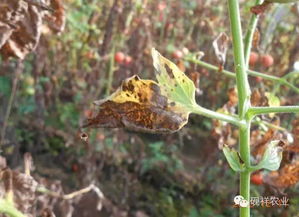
column 147, row 106
column 139, row 105
column 173, row 82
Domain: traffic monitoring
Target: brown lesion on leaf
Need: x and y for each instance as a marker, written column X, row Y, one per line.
column 149, row 112
column 169, row 71
column 128, row 87
column 135, row 116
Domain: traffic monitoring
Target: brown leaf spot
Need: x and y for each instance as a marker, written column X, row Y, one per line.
column 169, row 71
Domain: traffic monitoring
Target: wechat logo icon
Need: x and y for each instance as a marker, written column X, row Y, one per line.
column 239, row 200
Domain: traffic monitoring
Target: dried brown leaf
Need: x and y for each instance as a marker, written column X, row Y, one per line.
column 259, row 9
column 21, row 24
column 232, row 96
column 139, row 105
column 261, row 145
column 256, row 38
column 56, row 19
column 23, row 187
column 258, row 98
column 220, row 45
column 285, row 177
column 195, row 77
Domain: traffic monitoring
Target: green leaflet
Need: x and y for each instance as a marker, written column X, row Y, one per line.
column 233, row 159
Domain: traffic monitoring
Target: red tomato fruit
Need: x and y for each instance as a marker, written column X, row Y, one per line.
column 119, row 57
column 177, row 54
column 256, row 179
column 267, row 60
column 258, row 79
column 253, row 58
column 128, row 60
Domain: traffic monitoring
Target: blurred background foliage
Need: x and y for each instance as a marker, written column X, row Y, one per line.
column 182, row 174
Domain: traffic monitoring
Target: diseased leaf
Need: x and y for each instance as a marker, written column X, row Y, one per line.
column 272, row 157
column 260, row 145
column 233, row 159
column 139, row 105
column 259, row 98
column 220, row 45
column 175, row 85
column 56, row 19
column 147, row 106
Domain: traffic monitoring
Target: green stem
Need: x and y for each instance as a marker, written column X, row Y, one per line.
column 7, row 208
column 243, row 102
column 250, row 32
column 216, row 115
column 244, row 146
column 210, row 66
column 291, row 86
column 267, row 77
column 259, row 122
column 274, row 109
column 281, row 81
column 245, row 192
column 291, row 74
column 240, row 67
